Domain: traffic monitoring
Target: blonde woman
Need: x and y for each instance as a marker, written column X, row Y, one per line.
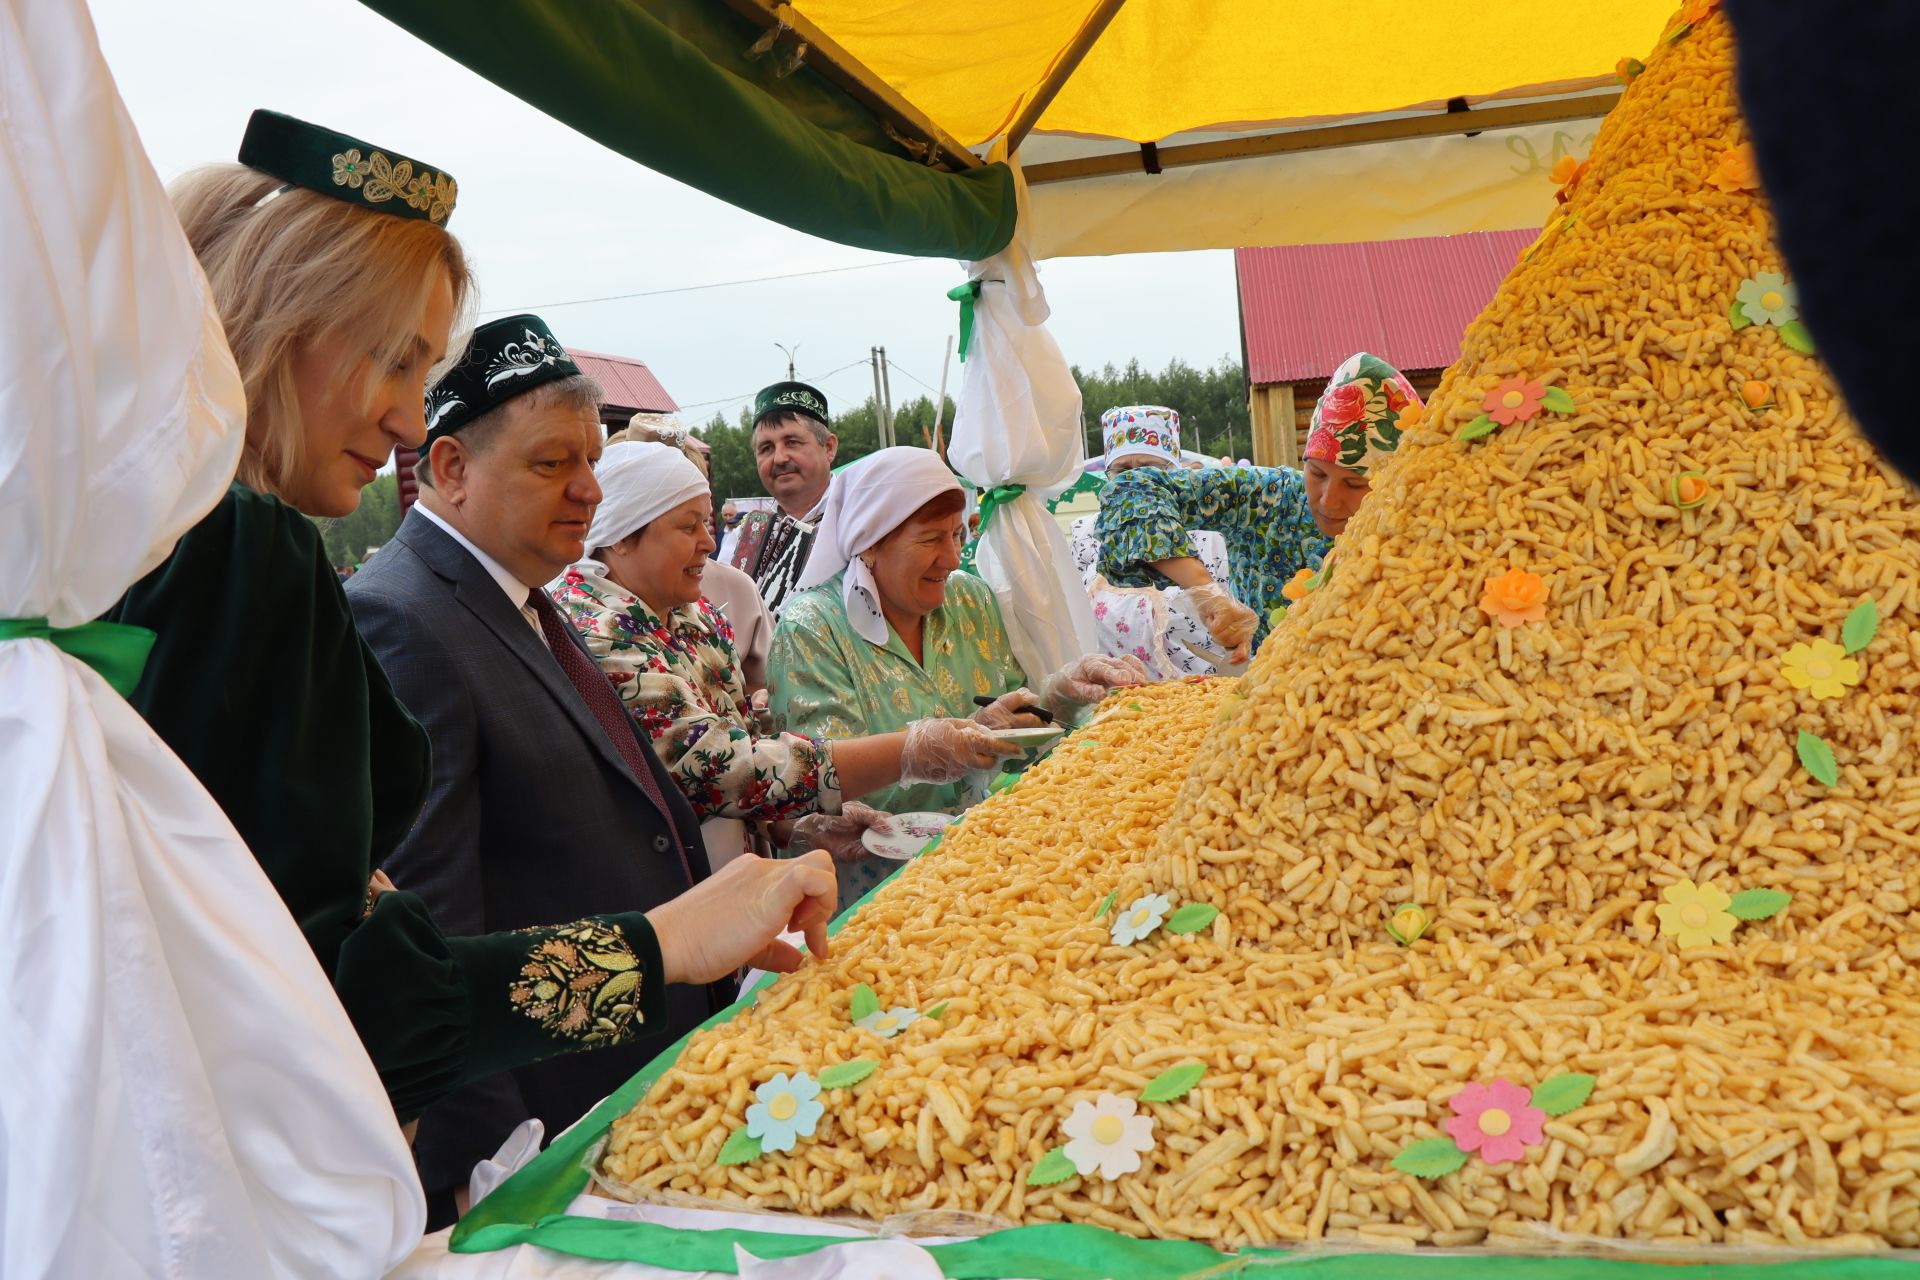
column 339, row 285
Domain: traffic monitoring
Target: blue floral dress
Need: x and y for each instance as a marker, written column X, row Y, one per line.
column 1260, row 511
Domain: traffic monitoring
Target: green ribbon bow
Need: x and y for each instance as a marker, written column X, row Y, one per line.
column 118, row 652
column 990, row 501
column 966, row 295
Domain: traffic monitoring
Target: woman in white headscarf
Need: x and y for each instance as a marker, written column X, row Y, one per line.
column 637, row 603
column 885, row 629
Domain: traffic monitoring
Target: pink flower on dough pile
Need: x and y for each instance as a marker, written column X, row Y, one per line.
column 1498, row 1120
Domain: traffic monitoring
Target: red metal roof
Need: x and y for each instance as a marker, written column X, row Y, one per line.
column 629, row 384
column 1306, row 308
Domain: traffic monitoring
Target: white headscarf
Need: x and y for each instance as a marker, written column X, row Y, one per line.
column 865, row 503
column 639, row 483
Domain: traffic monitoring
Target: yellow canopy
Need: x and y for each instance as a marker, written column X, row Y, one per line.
column 1171, row 66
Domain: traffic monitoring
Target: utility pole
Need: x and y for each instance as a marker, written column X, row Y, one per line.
column 789, row 354
column 886, row 389
column 879, row 405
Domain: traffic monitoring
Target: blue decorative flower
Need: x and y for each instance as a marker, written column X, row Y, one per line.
column 887, row 1023
column 1767, row 298
column 788, row 1108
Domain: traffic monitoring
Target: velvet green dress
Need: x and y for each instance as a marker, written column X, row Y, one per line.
column 261, row 685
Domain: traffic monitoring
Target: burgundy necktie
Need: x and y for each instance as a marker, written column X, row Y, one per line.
column 597, row 692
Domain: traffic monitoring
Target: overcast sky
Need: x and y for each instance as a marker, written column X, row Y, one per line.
column 549, row 217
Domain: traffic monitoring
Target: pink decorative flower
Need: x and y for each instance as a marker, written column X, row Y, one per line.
column 1498, row 1120
column 1341, row 406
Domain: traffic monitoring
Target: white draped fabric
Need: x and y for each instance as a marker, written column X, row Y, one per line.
column 180, row 1093
column 1018, row 422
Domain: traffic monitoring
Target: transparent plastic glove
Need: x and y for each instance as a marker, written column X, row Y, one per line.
column 735, row 917
column 1001, row 715
column 1087, row 680
column 1230, row 623
column 948, row 750
column 839, row 833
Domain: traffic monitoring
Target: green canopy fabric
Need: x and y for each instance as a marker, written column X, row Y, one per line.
column 670, row 84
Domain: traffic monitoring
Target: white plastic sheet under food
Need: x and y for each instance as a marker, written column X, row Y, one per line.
column 181, row 1094
column 1018, row 422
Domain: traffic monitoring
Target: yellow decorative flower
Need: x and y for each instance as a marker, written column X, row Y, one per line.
column 1695, row 915
column 1822, row 667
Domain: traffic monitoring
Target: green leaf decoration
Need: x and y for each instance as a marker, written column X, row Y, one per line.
column 1557, row 1095
column 1861, row 626
column 1430, row 1158
column 1134, row 706
column 1480, row 426
column 1557, row 400
column 740, row 1149
column 1176, row 1082
column 863, row 1003
column 1679, row 33
column 1758, row 904
column 1106, row 905
column 1192, row 918
column 1795, row 335
column 844, row 1075
column 1278, row 616
column 1816, row 757
column 1053, row 1167
column 937, row 1011
column 1737, row 316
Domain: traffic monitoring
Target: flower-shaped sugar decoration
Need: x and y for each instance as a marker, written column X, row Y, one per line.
column 1735, row 170
column 1757, row 395
column 1498, row 1120
column 1105, row 1134
column 1628, row 69
column 1514, row 400
column 788, row 1107
column 1767, row 298
column 1409, row 923
column 1822, row 668
column 1515, row 598
column 1298, row 586
column 887, row 1023
column 1695, row 915
column 1566, row 175
column 1148, row 912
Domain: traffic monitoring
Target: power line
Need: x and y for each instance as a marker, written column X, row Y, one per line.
column 812, row 377
column 695, row 288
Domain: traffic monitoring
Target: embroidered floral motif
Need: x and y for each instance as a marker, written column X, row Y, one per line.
column 379, row 180
column 582, row 982
column 349, row 170
column 535, row 351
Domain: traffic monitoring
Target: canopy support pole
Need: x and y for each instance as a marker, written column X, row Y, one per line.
column 1436, row 124
column 1062, row 71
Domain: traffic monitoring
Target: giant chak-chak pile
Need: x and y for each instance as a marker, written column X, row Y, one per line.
column 1692, row 705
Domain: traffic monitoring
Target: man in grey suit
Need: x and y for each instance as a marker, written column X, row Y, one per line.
column 546, row 804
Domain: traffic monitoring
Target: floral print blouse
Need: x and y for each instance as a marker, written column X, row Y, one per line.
column 1260, row 511
column 1144, row 621
column 681, row 681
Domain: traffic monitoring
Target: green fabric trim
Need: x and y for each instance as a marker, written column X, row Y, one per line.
column 115, row 650
column 991, row 501
column 966, row 295
column 624, row 77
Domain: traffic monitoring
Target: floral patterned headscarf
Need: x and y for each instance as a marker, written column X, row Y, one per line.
column 1359, row 418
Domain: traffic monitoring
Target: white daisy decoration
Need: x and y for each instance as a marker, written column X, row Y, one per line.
column 1105, row 1134
column 887, row 1023
column 1147, row 913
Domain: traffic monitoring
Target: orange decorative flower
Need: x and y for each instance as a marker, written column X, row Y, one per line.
column 1514, row 598
column 1695, row 12
column 1567, row 173
column 1756, row 393
column 1736, row 170
column 1628, row 69
column 1515, row 400
column 1410, row 415
column 1297, row 589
